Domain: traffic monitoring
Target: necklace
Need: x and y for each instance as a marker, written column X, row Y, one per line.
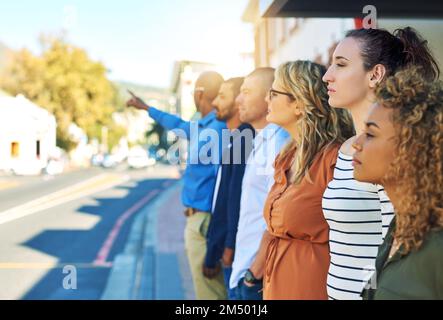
column 394, row 248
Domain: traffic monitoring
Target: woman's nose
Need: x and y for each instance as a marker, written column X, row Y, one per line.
column 358, row 143
column 327, row 77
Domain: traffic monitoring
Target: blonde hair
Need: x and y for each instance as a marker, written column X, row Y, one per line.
column 417, row 167
column 320, row 125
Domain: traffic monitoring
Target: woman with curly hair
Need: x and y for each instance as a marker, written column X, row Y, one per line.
column 404, row 133
column 359, row 214
column 296, row 242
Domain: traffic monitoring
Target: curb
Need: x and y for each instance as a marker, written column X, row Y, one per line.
column 137, row 273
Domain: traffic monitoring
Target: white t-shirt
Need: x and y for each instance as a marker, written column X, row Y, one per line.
column 257, row 182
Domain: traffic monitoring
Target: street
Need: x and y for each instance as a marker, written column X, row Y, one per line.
column 79, row 219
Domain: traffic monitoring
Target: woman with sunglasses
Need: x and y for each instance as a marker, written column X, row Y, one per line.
column 358, row 213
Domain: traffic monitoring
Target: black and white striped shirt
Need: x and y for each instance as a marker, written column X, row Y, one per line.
column 358, row 215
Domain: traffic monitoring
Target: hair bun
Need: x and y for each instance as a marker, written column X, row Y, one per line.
column 416, row 52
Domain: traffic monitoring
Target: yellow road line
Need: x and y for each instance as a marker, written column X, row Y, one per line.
column 8, row 185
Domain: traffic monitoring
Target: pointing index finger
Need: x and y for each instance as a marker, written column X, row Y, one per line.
column 131, row 93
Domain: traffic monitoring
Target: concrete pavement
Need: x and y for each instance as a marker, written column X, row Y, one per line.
column 153, row 265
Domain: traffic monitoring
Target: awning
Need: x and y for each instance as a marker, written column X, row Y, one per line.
column 411, row 9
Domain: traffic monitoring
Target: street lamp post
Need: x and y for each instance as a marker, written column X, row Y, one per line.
column 105, row 139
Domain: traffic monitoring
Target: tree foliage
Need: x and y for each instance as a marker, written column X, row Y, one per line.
column 66, row 82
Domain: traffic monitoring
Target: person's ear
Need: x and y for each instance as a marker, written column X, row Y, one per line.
column 296, row 108
column 236, row 105
column 376, row 75
column 197, row 98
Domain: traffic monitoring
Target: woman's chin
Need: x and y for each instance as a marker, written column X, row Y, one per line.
column 361, row 175
column 337, row 104
column 270, row 118
column 333, row 102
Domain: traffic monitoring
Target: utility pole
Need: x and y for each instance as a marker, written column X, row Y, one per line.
column 105, row 139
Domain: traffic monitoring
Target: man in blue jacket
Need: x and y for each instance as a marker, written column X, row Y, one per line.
column 199, row 177
column 226, row 205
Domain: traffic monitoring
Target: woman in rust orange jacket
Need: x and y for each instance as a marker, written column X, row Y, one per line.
column 297, row 249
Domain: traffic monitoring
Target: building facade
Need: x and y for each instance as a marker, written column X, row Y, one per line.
column 282, row 33
column 27, row 136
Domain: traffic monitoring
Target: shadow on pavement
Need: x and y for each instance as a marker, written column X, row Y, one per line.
column 81, row 247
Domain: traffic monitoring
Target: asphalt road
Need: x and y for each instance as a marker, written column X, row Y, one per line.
column 59, row 236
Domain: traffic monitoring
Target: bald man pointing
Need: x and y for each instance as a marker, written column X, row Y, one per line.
column 199, row 178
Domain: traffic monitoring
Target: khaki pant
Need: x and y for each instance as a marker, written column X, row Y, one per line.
column 195, row 245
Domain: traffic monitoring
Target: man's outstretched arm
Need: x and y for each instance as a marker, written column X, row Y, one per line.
column 165, row 119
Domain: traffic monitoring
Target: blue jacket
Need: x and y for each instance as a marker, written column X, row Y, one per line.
column 222, row 229
column 201, row 170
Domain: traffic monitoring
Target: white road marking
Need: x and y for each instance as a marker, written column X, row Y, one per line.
column 68, row 194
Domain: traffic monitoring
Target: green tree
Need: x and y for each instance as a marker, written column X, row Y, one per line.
column 66, row 82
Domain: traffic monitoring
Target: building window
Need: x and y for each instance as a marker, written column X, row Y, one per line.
column 38, row 149
column 263, row 52
column 15, row 150
column 281, row 31
column 293, row 25
column 271, row 37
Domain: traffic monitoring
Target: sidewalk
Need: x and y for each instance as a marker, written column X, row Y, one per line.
column 153, row 265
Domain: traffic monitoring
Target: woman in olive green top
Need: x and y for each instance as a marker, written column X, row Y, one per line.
column 402, row 149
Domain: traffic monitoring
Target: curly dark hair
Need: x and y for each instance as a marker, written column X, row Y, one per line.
column 417, row 168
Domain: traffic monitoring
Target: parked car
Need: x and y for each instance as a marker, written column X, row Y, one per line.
column 109, row 161
column 138, row 158
column 55, row 166
column 97, row 160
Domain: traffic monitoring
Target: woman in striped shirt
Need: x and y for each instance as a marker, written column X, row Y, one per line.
column 358, row 213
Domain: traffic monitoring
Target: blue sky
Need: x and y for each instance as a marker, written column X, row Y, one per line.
column 138, row 40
